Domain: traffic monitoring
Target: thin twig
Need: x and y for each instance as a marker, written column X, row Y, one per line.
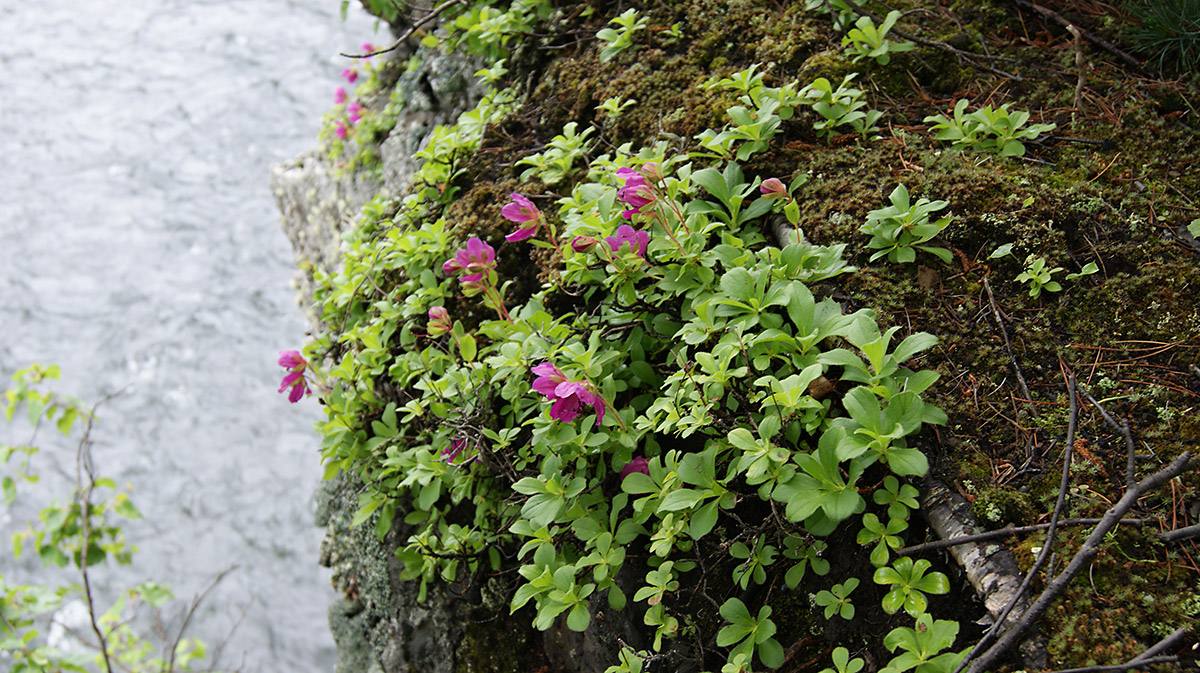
column 83, row 463
column 170, row 666
column 1079, row 61
column 411, row 29
column 1045, row 554
column 1085, row 555
column 1091, row 37
column 1008, row 347
column 1007, row 531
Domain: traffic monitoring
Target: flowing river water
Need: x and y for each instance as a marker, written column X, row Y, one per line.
column 140, row 249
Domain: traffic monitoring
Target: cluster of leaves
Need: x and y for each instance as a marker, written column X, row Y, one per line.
column 764, row 109
column 723, row 373
column 1038, row 275
column 620, row 38
column 82, row 534
column 987, row 130
column 866, row 40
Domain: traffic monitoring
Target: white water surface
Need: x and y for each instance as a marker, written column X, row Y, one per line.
column 140, row 250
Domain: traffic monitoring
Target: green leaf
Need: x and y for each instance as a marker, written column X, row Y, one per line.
column 771, row 653
column 466, row 347
column 703, row 521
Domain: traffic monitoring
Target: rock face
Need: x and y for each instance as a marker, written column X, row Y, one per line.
column 320, row 201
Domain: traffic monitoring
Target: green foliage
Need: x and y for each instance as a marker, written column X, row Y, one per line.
column 750, row 633
column 866, row 40
column 842, row 106
column 1167, row 32
column 921, row 646
column 620, row 38
column 910, row 583
column 842, row 663
column 836, row 600
column 902, row 228
column 840, row 11
column 1040, row 278
column 615, row 106
column 987, row 130
column 757, row 120
column 553, row 165
column 83, row 534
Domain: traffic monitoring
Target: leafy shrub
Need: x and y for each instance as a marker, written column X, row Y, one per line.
column 987, row 130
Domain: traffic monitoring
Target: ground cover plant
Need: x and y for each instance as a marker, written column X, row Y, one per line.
column 660, row 362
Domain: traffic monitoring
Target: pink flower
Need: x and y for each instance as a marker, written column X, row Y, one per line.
column 521, row 210
column 637, row 240
column 635, row 192
column 350, row 74
column 583, row 243
column 569, row 397
column 294, row 379
column 339, row 95
column 439, row 321
column 339, row 127
column 367, row 47
column 354, row 111
column 478, row 257
column 638, row 464
column 772, row 189
column 452, row 452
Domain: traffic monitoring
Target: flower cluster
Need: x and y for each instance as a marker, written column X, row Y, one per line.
column 439, row 321
column 355, row 109
column 295, row 379
column 636, row 192
column 569, row 397
column 477, row 262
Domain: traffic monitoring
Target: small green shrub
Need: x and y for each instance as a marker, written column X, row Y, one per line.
column 902, row 228
column 987, row 130
column 866, row 40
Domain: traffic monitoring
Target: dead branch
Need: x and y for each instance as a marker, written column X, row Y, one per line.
column 1091, row 37
column 1007, row 531
column 1064, row 483
column 1008, row 347
column 1089, row 550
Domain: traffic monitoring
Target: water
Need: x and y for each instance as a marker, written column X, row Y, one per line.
column 140, row 249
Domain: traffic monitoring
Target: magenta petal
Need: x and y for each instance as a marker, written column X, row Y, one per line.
column 299, row 390
column 521, row 234
column 547, row 369
column 291, row 359
column 565, row 409
column 290, row 380
column 638, row 464
column 643, row 240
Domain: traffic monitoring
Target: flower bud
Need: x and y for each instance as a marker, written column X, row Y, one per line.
column 583, row 243
column 652, row 171
column 772, row 189
column 439, row 321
